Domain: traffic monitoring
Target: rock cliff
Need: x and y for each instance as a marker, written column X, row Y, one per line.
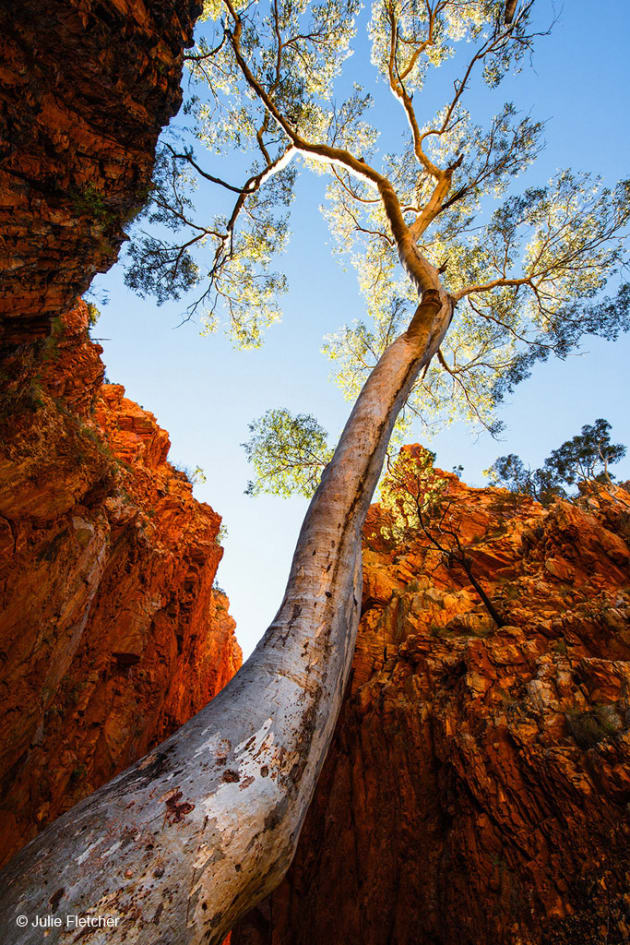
column 111, row 634
column 85, row 88
column 478, row 785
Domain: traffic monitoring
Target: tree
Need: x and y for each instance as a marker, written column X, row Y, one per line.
column 585, row 458
column 418, row 507
column 526, row 271
column 196, row 833
column 288, row 453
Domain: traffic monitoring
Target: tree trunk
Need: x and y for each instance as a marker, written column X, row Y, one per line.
column 494, row 613
column 185, row 841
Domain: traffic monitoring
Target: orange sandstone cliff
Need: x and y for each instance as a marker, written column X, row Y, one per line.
column 477, row 789
column 111, row 635
column 85, row 88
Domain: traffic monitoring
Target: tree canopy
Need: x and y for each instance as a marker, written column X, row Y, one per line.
column 272, row 95
column 288, row 453
column 586, row 457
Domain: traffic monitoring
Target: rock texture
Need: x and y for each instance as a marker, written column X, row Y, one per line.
column 85, row 88
column 111, row 634
column 478, row 786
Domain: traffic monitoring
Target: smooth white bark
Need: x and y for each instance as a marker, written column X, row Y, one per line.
column 193, row 835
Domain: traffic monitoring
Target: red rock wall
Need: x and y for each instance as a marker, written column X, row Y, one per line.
column 478, row 786
column 111, row 634
column 85, row 88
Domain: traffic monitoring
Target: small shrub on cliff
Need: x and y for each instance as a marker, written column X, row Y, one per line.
column 589, row 728
column 91, row 202
column 94, row 313
column 193, row 476
column 411, row 494
column 417, row 506
column 77, row 774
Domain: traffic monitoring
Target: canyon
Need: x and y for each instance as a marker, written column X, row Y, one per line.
column 112, row 634
column 478, row 785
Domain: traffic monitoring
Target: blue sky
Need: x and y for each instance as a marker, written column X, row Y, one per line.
column 205, row 393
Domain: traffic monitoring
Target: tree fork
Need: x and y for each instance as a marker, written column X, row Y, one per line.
column 193, row 835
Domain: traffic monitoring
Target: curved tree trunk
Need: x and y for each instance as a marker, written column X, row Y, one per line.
column 180, row 845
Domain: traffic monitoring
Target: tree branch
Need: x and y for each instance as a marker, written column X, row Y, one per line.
column 422, row 273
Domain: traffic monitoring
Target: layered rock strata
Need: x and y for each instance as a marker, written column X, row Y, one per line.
column 111, row 634
column 478, row 786
column 85, row 88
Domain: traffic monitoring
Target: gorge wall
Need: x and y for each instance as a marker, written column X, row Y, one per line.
column 111, row 635
column 85, row 88
column 478, row 785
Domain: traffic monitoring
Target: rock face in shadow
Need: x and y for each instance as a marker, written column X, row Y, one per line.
column 85, row 88
column 477, row 789
column 111, row 634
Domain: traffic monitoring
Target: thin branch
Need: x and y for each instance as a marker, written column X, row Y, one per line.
column 423, row 274
column 186, row 156
column 487, row 286
column 194, row 57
